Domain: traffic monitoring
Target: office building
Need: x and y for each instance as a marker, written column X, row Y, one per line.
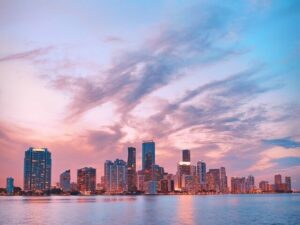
column 65, row 181
column 86, row 180
column 223, row 181
column 131, row 169
column 116, row 176
column 201, row 175
column 250, row 182
column 264, row 186
column 213, row 180
column 238, row 185
column 37, row 170
column 288, row 182
column 10, row 186
column 148, row 155
column 183, row 168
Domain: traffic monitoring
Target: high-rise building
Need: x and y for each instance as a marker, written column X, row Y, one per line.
column 238, row 185
column 107, row 174
column 141, row 181
column 148, row 155
column 65, row 181
column 201, row 174
column 278, row 182
column 131, row 169
column 288, row 184
column 223, row 180
column 183, row 168
column 250, row 182
column 116, row 176
column 213, row 180
column 186, row 155
column 37, row 170
column 86, row 180
column 10, row 185
column 264, row 186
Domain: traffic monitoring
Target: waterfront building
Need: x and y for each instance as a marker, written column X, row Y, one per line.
column 37, row 170
column 250, row 184
column 86, row 180
column 264, row 186
column 107, row 175
column 65, row 181
column 238, row 185
column 223, row 181
column 288, row 182
column 131, row 169
column 141, row 181
column 10, row 186
column 116, row 176
column 201, row 175
column 183, row 168
column 213, row 180
column 148, row 155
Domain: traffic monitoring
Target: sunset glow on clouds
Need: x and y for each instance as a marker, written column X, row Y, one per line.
column 89, row 79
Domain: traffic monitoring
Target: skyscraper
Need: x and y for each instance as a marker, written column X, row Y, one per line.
column 37, row 169
column 183, row 168
column 116, row 176
column 201, row 174
column 250, row 184
column 10, row 186
column 65, row 181
column 238, row 185
column 278, row 182
column 107, row 174
column 86, row 180
column 288, row 184
column 131, row 169
column 148, row 155
column 223, row 180
column 213, row 180
column 186, row 155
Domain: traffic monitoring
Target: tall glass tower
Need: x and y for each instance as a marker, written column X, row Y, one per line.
column 131, row 169
column 37, row 169
column 148, row 155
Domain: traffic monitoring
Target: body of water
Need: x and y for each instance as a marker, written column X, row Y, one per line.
column 152, row 210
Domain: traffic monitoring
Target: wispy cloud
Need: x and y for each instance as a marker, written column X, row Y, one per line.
column 283, row 142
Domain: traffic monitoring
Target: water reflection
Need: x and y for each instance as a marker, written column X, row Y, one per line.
column 151, row 210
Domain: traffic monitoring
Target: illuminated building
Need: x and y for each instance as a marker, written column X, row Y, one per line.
column 65, row 181
column 86, row 180
column 141, row 181
column 10, row 185
column 213, row 180
column 188, row 184
column 223, row 180
column 201, row 174
column 116, row 176
column 186, row 155
column 278, row 182
column 238, row 185
column 183, row 168
column 131, row 169
column 37, row 170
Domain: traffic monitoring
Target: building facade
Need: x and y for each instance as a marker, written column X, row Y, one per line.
column 186, row 155
column 223, row 181
column 65, row 181
column 148, row 155
column 10, row 185
column 37, row 170
column 131, row 170
column 86, row 180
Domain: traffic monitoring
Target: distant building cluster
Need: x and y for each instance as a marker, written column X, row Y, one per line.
column 121, row 177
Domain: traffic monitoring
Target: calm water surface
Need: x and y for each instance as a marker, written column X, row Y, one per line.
column 156, row 210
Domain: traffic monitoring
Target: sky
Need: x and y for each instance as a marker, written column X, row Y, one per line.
column 88, row 79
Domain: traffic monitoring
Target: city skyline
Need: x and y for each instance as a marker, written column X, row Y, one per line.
column 87, row 81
